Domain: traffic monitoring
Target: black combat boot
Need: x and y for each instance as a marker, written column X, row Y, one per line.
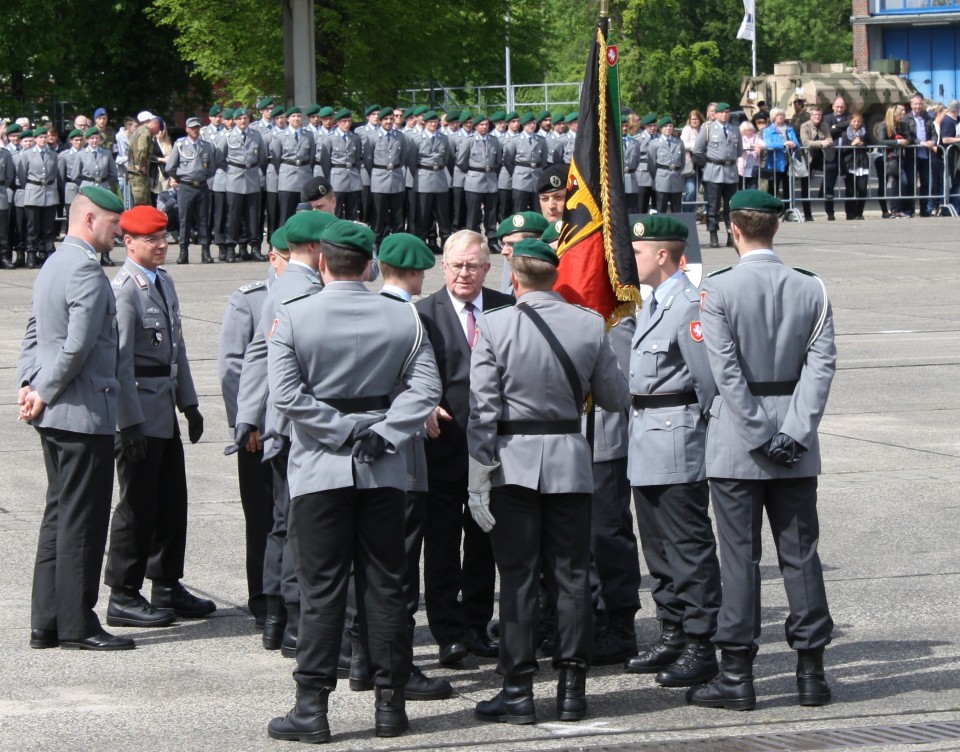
column 243, row 253
column 288, row 645
column 390, row 716
column 811, row 684
column 572, row 692
column 222, row 252
column 307, row 722
column 729, row 238
column 105, row 259
column 184, row 257
column 714, row 239
column 231, row 255
column 6, row 261
column 256, row 255
column 275, row 624
column 732, row 688
column 360, row 680
column 31, row 260
column 697, row 664
column 205, row 257
column 661, row 654
column 618, row 641
column 513, row 704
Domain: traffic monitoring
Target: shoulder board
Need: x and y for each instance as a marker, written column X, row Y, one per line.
column 252, row 286
column 122, row 276
column 584, row 308
column 720, row 271
column 498, row 308
column 805, row 271
column 692, row 294
column 298, row 297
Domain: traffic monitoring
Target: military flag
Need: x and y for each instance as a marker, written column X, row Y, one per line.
column 597, row 267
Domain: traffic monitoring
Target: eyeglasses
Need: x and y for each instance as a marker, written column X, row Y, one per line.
column 470, row 269
column 151, row 240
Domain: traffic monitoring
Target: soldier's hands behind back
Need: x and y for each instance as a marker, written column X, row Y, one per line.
column 784, row 450
column 368, row 446
column 194, row 423
column 133, row 444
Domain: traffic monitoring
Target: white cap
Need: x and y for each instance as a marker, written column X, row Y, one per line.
column 145, row 116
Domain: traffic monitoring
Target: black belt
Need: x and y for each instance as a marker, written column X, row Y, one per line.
column 358, row 404
column 630, row 172
column 772, row 388
column 241, row 165
column 724, row 162
column 528, row 164
column 537, row 427
column 294, row 162
column 193, row 183
column 386, row 166
column 151, row 371
column 435, row 168
column 672, row 168
column 40, row 182
column 481, row 169
column 671, row 399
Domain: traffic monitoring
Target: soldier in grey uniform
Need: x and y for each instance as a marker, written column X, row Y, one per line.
column 512, row 230
column 271, row 207
column 312, row 113
column 530, row 479
column 367, row 133
column 7, row 180
column 563, row 152
column 457, row 139
column 341, row 155
column 525, row 157
column 479, row 160
column 19, row 223
column 38, row 178
column 218, row 183
column 347, row 480
column 504, row 179
column 672, row 391
column 430, row 160
column 191, row 164
column 292, row 153
column 665, row 158
column 148, row 534
column 769, row 335
column 384, row 160
column 69, row 392
column 69, row 166
column 631, row 161
column 241, row 153
column 718, row 147
column 265, row 121
column 646, row 195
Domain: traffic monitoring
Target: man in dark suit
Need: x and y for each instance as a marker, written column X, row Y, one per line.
column 916, row 163
column 837, row 123
column 451, row 317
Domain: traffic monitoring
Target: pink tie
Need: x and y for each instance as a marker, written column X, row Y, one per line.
column 471, row 324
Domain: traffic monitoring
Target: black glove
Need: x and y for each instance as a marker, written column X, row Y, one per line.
column 784, row 450
column 368, row 446
column 241, row 434
column 194, row 423
column 133, row 444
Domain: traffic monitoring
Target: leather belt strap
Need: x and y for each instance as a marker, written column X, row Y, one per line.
column 146, row 372
column 192, row 183
column 358, row 404
column 537, row 427
column 39, row 182
column 294, row 162
column 671, row 399
column 386, row 166
column 241, row 165
column 772, row 388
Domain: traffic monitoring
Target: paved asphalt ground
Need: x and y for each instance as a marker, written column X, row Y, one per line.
column 889, row 514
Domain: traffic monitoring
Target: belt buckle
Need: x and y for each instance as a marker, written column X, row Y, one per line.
column 174, row 369
column 389, row 165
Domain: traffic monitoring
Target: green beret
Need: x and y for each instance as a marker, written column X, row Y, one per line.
column 754, row 200
column 430, row 115
column 543, row 116
column 656, row 227
column 352, row 235
column 497, row 117
column 76, row 132
column 385, row 112
column 240, row 112
column 306, row 226
column 371, row 109
column 420, row 110
column 572, row 117
column 264, row 103
column 552, row 233
column 404, row 251
column 215, row 110
column 279, row 239
column 326, row 112
column 343, row 114
column 558, row 119
column 228, row 114
column 650, row 117
column 277, row 111
column 91, row 131
column 14, row 128
column 453, row 116
column 466, row 115
column 536, row 248
column 528, row 221
column 479, row 118
column 512, row 115
column 27, row 134
column 664, row 121
column 313, row 109
column 103, row 198
column 722, row 107
column 528, row 118
column 407, row 113
column 294, row 111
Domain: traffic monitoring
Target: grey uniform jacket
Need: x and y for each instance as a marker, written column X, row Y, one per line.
column 292, row 158
column 151, row 337
column 610, row 426
column 368, row 134
column 721, row 152
column 68, row 164
column 38, row 177
column 668, row 355
column 766, row 322
column 631, row 161
column 665, row 161
column 270, row 178
column 340, row 160
column 480, row 161
column 312, row 358
column 525, row 159
column 514, row 375
column 243, row 157
column 457, row 141
column 191, row 162
column 240, row 322
column 98, row 168
column 644, row 175
column 505, row 179
column 431, row 159
column 384, row 158
column 7, row 178
column 69, row 351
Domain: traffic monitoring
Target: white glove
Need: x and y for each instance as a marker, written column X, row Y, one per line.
column 478, row 490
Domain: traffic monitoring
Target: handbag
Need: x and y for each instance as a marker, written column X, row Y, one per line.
column 800, row 168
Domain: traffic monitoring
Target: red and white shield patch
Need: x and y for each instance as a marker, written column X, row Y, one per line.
column 696, row 331
column 276, row 323
column 703, row 300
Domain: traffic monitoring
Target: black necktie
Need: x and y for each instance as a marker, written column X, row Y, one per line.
column 156, row 283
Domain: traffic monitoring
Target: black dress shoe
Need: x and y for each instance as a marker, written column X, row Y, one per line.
column 183, row 603
column 452, row 653
column 133, row 610
column 100, row 641
column 43, row 638
column 105, row 260
column 478, row 642
column 421, row 687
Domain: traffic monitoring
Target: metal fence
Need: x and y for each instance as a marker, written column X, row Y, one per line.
column 531, row 96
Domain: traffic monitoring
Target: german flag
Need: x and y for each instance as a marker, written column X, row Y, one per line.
column 597, row 267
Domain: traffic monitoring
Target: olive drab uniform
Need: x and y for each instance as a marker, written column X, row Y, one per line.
column 138, row 165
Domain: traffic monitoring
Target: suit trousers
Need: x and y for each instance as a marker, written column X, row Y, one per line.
column 433, row 207
column 73, row 532
column 41, row 228
column 287, row 202
column 329, row 532
column 194, row 207
column 831, row 171
column 4, row 230
column 243, row 207
column 457, row 595
column 681, row 554
column 718, row 197
column 646, row 198
column 525, row 201
column 552, row 530
column 272, row 210
column 669, row 202
column 348, row 205
column 458, row 214
column 279, row 572
column 791, row 507
column 256, row 498
column 505, row 195
column 485, row 204
column 388, row 210
column 148, row 535
column 410, row 211
column 615, row 555
column 218, row 217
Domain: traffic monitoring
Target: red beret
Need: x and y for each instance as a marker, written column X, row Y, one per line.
column 143, row 220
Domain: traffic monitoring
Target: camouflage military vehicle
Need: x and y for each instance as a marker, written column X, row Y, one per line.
column 867, row 92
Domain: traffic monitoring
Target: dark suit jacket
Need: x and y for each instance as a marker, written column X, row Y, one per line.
column 447, row 454
column 910, row 130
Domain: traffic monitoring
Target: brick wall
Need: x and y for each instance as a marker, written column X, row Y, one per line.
column 861, row 46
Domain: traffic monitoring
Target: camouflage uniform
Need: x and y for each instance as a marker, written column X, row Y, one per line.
column 138, row 164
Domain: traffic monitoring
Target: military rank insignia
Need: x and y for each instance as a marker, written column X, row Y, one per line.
column 157, row 339
column 703, row 299
column 273, row 329
column 141, row 282
column 696, row 331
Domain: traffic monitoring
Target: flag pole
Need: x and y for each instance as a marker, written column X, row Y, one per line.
column 754, row 42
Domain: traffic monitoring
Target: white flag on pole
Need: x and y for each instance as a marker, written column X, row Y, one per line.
column 747, row 26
